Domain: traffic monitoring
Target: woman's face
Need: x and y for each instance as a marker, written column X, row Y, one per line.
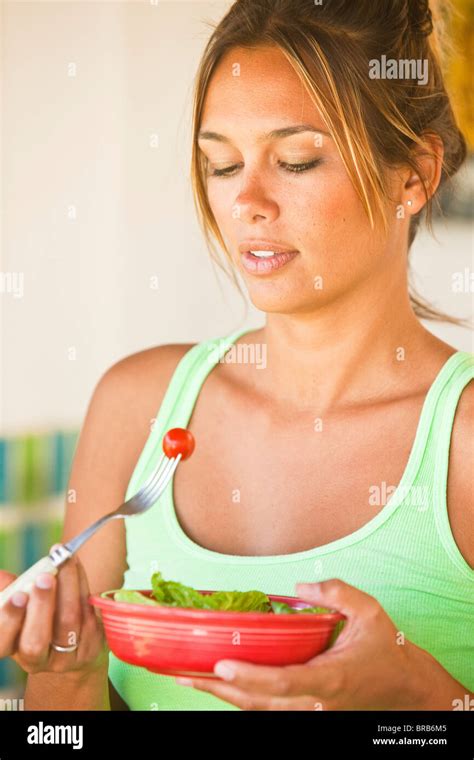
column 315, row 212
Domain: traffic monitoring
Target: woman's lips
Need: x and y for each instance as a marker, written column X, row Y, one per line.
column 256, row 265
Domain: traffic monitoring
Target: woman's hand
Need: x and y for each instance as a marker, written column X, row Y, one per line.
column 369, row 667
column 59, row 613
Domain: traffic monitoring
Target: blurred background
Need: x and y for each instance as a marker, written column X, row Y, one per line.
column 101, row 253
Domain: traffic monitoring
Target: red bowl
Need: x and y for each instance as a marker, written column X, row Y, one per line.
column 182, row 641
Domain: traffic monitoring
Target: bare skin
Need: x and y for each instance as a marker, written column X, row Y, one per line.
column 331, row 356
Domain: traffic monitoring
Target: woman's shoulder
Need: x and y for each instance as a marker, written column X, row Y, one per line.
column 153, row 358
column 430, row 356
column 142, row 377
column 128, row 394
column 462, row 437
column 464, row 414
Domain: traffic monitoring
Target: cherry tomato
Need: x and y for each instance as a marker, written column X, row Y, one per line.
column 178, row 441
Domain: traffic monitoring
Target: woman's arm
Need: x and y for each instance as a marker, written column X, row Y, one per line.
column 116, row 427
column 46, row 691
column 97, row 485
column 68, row 691
column 438, row 689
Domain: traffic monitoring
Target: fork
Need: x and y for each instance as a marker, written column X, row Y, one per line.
column 136, row 505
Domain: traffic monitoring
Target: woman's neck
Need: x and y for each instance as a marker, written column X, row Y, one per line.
column 365, row 346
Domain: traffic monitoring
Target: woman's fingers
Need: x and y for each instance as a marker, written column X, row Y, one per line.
column 68, row 618
column 56, row 612
column 33, row 644
column 11, row 615
column 53, row 615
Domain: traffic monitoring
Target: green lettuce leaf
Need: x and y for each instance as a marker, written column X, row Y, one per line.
column 133, row 597
column 174, row 594
column 239, row 601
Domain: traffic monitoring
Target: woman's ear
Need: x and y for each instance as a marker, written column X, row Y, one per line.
column 429, row 160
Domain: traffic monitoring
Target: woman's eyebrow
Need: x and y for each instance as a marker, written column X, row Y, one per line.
column 275, row 134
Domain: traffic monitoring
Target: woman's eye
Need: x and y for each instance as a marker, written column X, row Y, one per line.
column 300, row 167
column 294, row 168
column 223, row 172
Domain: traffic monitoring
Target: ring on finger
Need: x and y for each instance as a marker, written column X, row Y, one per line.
column 60, row 648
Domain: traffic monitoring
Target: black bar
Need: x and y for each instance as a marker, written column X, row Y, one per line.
column 134, row 735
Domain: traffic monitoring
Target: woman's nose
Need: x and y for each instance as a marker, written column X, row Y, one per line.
column 255, row 200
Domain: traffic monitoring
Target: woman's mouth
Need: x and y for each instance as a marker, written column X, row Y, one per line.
column 265, row 262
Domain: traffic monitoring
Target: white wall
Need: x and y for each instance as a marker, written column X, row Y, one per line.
column 83, row 143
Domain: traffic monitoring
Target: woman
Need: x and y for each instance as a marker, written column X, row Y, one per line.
column 321, row 470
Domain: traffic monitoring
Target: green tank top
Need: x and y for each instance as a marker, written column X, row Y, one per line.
column 405, row 556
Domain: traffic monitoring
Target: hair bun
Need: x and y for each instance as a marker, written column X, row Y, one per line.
column 420, row 17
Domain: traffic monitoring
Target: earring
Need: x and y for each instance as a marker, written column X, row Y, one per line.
column 409, row 203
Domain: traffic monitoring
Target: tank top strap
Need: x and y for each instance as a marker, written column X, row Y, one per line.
column 179, row 399
column 188, row 377
column 459, row 371
column 461, row 366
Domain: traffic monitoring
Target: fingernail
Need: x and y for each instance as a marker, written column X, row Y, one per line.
column 225, row 670
column 44, row 580
column 19, row 599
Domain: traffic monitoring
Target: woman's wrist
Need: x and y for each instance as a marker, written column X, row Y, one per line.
column 433, row 687
column 70, row 690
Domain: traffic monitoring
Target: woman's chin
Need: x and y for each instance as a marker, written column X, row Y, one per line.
column 282, row 294
column 280, row 302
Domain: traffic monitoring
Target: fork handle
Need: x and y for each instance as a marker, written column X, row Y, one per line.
column 26, row 580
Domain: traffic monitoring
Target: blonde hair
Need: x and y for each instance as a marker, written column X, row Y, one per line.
column 374, row 122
